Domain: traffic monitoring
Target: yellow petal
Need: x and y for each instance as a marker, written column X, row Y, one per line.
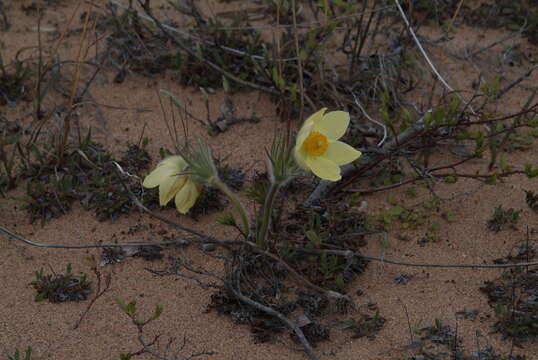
column 333, row 125
column 175, row 161
column 341, row 153
column 186, row 197
column 324, row 168
column 315, row 116
column 172, row 165
column 300, row 157
column 170, row 186
column 307, row 126
column 157, row 176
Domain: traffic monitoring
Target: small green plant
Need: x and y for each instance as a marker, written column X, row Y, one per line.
column 521, row 15
column 130, row 310
column 366, row 326
column 328, row 266
column 503, row 219
column 532, row 200
column 411, row 192
column 258, row 190
column 14, row 83
column 9, row 139
column 409, row 218
column 512, row 297
column 48, row 201
column 518, row 141
column 150, row 347
column 61, row 287
column 85, row 177
column 17, row 355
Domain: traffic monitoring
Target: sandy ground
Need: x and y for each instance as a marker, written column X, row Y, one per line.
column 432, row 293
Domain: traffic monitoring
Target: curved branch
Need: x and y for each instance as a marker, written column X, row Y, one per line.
column 307, row 347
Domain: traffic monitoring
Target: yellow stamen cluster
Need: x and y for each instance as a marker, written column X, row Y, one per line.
column 317, row 147
column 316, row 144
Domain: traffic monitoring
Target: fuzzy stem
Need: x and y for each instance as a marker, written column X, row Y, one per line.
column 215, row 181
column 266, row 215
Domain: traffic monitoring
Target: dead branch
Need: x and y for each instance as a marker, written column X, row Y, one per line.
column 98, row 293
column 145, row 4
column 237, row 293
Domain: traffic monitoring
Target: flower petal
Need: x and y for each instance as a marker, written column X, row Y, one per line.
column 176, row 161
column 307, row 126
column 186, row 197
column 324, row 168
column 170, row 187
column 157, row 176
column 172, row 165
column 315, row 117
column 333, row 125
column 341, row 153
column 300, row 157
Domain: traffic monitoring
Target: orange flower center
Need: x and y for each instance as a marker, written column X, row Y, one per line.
column 316, row 144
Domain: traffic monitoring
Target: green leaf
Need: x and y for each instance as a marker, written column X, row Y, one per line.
column 435, row 226
column 205, row 94
column 293, row 92
column 503, row 163
column 313, row 237
column 279, row 81
column 174, row 100
column 492, row 179
column 533, row 123
column 225, row 84
column 15, row 356
column 129, row 309
column 121, row 304
column 9, row 140
column 227, row 219
column 392, row 200
column 530, row 171
column 455, row 104
column 427, row 120
column 396, row 211
column 439, row 116
column 303, row 54
column 479, row 139
column 28, row 353
column 158, row 311
column 491, row 89
column 451, row 179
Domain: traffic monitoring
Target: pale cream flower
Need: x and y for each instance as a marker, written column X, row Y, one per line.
column 317, row 147
column 170, row 177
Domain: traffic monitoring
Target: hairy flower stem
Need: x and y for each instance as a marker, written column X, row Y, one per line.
column 261, row 239
column 236, row 203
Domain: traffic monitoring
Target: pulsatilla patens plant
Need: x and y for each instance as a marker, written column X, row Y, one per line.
column 316, row 149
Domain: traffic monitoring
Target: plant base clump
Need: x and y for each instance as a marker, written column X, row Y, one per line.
column 519, row 15
column 440, row 342
column 52, row 190
column 331, row 226
column 503, row 219
column 61, row 287
column 514, row 296
column 268, row 283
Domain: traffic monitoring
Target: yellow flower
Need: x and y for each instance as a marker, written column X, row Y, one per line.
column 317, row 147
column 169, row 176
